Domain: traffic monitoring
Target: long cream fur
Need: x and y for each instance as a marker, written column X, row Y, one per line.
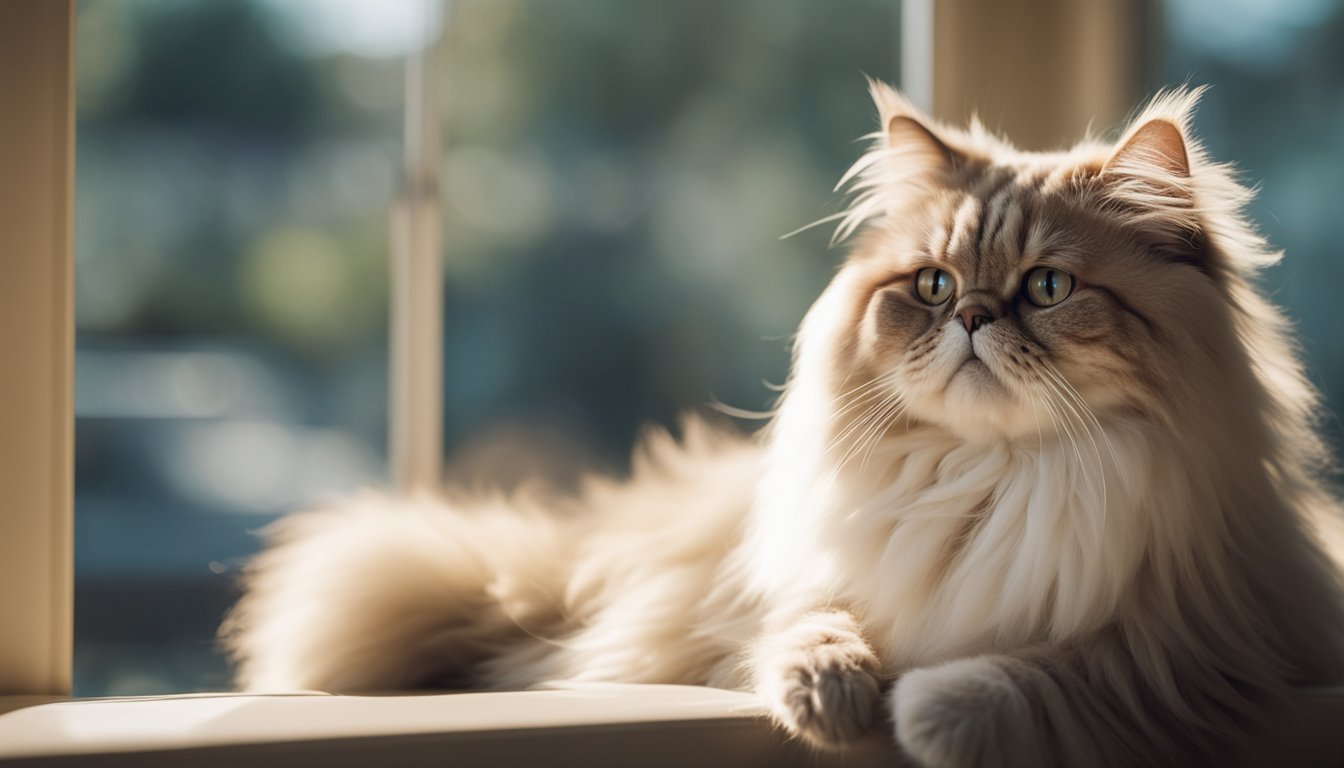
column 1132, row 581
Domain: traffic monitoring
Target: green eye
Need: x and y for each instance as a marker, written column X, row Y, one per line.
column 933, row 285
column 1047, row 286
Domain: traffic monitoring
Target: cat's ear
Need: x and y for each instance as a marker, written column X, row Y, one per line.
column 1149, row 174
column 906, row 132
column 1157, row 145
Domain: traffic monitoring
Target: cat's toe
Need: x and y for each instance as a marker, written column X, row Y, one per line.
column 829, row 694
column 963, row 713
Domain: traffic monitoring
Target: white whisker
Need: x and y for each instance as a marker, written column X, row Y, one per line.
column 895, row 415
column 1087, row 410
column 872, row 431
column 817, row 223
column 1068, row 409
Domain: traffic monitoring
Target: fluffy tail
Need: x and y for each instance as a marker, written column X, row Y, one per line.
column 383, row 594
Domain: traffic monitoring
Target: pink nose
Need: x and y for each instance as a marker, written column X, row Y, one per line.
column 974, row 316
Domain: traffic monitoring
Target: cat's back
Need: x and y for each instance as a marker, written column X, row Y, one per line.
column 683, row 505
column 652, row 592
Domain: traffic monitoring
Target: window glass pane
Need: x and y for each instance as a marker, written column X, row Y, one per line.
column 1276, row 109
column 235, row 164
column 617, row 177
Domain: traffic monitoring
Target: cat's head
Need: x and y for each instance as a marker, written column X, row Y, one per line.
column 997, row 292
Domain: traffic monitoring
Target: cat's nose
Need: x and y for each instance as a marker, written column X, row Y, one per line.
column 974, row 316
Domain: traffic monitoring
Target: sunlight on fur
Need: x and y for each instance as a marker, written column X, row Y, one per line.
column 1042, row 489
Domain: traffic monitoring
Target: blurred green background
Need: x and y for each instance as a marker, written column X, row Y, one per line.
column 616, row 176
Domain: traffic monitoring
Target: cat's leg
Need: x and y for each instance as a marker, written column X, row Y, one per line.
column 972, row 712
column 820, row 677
column 1085, row 704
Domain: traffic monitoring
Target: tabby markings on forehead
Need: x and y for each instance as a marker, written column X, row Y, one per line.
column 992, row 221
column 968, row 212
column 938, row 241
column 997, row 213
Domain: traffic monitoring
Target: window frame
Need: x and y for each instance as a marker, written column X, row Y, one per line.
column 37, row 346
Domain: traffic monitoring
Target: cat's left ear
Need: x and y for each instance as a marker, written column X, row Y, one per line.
column 1156, row 146
column 1149, row 173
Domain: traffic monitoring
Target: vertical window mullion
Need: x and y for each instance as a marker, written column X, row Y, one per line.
column 415, row 440
column 917, row 54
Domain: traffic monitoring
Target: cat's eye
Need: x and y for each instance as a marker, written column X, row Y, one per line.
column 933, row 285
column 1047, row 286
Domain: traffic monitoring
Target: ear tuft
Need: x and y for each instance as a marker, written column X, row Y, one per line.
column 890, row 102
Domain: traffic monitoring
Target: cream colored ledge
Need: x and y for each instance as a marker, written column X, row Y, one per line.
column 600, row 725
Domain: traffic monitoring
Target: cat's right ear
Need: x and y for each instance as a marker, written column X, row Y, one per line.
column 907, row 133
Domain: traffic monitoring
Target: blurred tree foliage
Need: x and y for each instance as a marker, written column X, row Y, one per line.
column 217, row 67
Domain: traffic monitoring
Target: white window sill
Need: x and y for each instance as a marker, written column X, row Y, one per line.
column 591, row 726
column 616, row 725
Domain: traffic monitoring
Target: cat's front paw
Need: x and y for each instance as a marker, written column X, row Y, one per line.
column 964, row 713
column 827, row 690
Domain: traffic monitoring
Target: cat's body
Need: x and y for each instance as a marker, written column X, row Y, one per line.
column 1069, row 533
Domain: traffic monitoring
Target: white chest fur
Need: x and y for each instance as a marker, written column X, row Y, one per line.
column 944, row 548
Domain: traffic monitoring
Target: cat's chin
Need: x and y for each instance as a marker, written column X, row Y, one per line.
column 976, row 405
column 975, row 373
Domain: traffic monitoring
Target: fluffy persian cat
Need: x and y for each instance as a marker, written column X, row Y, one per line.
column 1042, row 489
